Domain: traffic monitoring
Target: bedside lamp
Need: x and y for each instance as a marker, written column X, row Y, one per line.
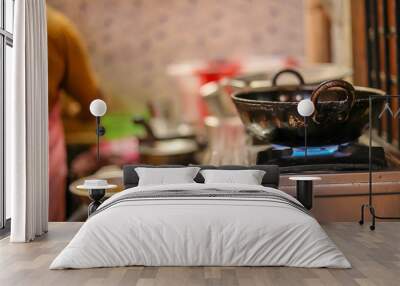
column 98, row 108
column 305, row 108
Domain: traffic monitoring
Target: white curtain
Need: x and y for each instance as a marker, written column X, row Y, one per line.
column 26, row 124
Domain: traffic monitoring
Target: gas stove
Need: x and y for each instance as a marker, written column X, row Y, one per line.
column 344, row 157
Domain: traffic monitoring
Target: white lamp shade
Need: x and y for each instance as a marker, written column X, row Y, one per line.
column 305, row 107
column 98, row 107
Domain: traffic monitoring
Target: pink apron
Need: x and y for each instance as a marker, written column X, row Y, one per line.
column 57, row 166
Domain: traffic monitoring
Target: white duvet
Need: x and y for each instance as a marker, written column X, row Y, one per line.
column 200, row 231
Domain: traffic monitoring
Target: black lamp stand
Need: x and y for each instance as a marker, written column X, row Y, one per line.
column 305, row 138
column 96, row 195
column 100, row 131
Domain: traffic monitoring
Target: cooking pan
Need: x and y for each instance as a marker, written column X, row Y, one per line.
column 217, row 94
column 340, row 116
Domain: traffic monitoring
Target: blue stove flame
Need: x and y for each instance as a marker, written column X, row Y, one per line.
column 315, row 151
column 298, row 152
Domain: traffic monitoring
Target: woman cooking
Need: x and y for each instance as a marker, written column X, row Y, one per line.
column 69, row 71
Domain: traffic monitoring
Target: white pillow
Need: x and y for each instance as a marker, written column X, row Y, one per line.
column 163, row 176
column 248, row 177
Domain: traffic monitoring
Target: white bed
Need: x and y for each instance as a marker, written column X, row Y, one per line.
column 269, row 229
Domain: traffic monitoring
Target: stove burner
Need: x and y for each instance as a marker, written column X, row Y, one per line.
column 344, row 157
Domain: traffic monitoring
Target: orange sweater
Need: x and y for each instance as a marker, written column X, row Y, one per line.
column 69, row 66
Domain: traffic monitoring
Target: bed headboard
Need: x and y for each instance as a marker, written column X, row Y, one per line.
column 271, row 177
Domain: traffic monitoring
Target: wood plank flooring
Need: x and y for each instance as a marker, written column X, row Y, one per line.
column 375, row 257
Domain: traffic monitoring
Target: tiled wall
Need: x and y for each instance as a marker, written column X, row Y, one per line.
column 132, row 41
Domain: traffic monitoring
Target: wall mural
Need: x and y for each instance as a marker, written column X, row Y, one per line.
column 131, row 42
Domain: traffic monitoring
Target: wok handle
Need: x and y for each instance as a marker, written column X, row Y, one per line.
column 291, row 71
column 346, row 86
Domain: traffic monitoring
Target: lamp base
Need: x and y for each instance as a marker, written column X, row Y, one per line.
column 96, row 195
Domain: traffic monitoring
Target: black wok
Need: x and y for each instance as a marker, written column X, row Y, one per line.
column 340, row 116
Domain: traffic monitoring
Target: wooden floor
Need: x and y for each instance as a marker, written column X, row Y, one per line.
column 375, row 257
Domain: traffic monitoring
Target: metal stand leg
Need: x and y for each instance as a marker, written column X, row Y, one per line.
column 370, row 194
column 374, row 216
column 361, row 222
column 372, row 212
column 369, row 205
